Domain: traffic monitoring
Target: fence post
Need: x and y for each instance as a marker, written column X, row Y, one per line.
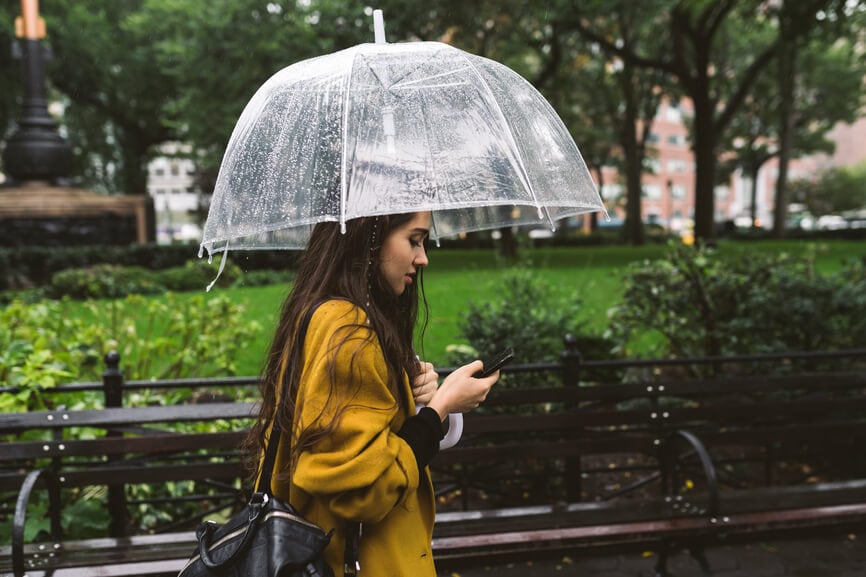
column 112, row 380
column 112, row 388
column 571, row 360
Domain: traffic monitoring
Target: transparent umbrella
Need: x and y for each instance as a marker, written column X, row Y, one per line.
column 385, row 128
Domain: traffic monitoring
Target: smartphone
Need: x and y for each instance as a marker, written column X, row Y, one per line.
column 496, row 362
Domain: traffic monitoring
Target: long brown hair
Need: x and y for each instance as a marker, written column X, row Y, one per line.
column 346, row 266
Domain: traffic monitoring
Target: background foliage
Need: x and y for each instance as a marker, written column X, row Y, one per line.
column 135, row 74
column 703, row 304
column 43, row 346
column 836, row 190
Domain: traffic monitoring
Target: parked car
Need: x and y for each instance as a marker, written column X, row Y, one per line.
column 831, row 222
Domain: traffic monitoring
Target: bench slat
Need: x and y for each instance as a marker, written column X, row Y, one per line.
column 167, row 442
column 117, row 417
column 154, row 473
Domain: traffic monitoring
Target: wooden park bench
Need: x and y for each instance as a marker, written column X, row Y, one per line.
column 122, row 447
column 642, row 454
column 564, row 456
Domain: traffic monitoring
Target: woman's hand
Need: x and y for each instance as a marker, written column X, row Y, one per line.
column 461, row 392
column 425, row 384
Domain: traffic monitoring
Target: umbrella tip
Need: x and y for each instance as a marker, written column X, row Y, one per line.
column 378, row 27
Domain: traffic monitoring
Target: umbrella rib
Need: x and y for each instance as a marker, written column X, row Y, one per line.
column 436, row 182
column 343, row 184
column 400, row 84
column 542, row 211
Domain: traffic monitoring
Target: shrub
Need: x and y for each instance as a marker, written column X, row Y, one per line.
column 111, row 281
column 196, row 275
column 48, row 343
column 103, row 281
column 530, row 316
column 704, row 305
column 33, row 266
column 196, row 336
column 265, row 277
column 40, row 346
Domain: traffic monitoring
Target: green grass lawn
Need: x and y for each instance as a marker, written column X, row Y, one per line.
column 457, row 277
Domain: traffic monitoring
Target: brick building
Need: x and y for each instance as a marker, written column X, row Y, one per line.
column 669, row 181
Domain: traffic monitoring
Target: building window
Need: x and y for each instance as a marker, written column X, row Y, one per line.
column 673, row 113
column 652, row 191
column 611, row 191
column 676, row 165
column 652, row 165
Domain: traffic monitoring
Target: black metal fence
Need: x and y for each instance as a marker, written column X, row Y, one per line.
column 571, row 370
column 571, row 383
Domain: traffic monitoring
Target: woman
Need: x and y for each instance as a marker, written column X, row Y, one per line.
column 358, row 452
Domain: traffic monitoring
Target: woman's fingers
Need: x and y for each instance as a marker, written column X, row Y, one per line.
column 425, row 384
column 461, row 391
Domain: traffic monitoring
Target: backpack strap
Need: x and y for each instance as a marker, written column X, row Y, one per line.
column 351, row 566
column 264, row 484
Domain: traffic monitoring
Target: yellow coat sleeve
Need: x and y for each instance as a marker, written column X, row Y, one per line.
column 362, row 470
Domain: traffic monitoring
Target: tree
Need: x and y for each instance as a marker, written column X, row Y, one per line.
column 639, row 90
column 829, row 90
column 836, row 191
column 593, row 114
column 751, row 145
column 607, row 107
column 799, row 22
column 692, row 39
column 115, row 90
column 134, row 74
column 219, row 53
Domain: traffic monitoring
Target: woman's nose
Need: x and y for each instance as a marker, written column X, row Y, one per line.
column 421, row 258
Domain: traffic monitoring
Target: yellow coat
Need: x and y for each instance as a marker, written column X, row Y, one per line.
column 363, row 471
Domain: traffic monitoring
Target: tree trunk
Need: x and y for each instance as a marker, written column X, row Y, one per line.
column 633, row 221
column 593, row 216
column 633, row 161
column 134, row 175
column 508, row 244
column 787, row 85
column 704, row 148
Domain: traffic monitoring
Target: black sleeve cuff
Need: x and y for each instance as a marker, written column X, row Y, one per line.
column 423, row 433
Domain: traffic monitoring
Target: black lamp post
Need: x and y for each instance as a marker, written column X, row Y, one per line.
column 36, row 151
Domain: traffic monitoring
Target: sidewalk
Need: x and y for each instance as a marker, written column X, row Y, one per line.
column 835, row 556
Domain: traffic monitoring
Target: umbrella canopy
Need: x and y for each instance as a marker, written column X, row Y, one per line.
column 392, row 128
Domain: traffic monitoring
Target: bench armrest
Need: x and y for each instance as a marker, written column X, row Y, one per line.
column 30, row 482
column 669, row 457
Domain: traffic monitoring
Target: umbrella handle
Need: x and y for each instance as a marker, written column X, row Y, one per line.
column 455, row 429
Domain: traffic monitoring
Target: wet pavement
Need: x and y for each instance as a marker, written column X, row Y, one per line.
column 832, row 556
